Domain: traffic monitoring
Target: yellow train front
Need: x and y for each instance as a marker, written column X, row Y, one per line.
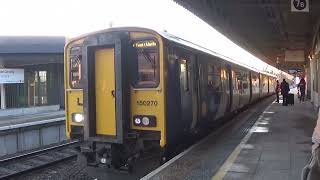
column 115, row 94
column 132, row 89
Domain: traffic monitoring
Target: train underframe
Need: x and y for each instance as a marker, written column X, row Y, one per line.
column 119, row 156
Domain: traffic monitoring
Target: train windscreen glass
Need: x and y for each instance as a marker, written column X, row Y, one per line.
column 75, row 67
column 146, row 57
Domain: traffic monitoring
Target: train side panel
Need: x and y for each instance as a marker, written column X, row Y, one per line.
column 235, row 91
column 263, row 85
column 243, row 83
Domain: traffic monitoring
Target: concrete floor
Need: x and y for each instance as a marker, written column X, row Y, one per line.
column 20, row 119
column 272, row 143
column 280, row 147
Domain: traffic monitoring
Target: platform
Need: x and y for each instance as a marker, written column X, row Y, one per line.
column 6, row 121
column 267, row 142
column 27, row 132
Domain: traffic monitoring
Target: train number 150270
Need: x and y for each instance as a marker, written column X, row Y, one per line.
column 147, row 103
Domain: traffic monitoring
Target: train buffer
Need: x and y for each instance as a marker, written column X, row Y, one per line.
column 268, row 141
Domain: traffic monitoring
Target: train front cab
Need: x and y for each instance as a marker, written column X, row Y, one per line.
column 123, row 95
column 73, row 91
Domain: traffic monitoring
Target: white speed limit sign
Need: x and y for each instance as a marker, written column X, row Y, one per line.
column 300, row 5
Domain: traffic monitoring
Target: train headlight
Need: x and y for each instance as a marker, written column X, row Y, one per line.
column 145, row 120
column 103, row 160
column 77, row 117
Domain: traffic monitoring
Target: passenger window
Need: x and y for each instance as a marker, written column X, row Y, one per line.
column 184, row 74
column 214, row 78
column 245, row 85
column 235, row 86
column 256, row 84
column 239, row 80
column 245, row 79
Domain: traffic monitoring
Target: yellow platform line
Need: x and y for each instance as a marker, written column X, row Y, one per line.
column 233, row 156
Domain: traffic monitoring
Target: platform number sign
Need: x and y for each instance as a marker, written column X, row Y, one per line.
column 300, row 5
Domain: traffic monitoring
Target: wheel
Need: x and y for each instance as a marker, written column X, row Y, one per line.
column 163, row 156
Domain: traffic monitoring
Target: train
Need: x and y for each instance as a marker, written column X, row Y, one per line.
column 130, row 89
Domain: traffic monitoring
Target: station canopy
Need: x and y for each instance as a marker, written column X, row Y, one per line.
column 279, row 32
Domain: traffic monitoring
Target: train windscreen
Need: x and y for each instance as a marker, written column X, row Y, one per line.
column 146, row 62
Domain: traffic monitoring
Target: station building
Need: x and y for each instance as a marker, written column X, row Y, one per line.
column 31, row 73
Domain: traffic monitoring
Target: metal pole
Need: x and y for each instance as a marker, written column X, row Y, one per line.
column 3, row 96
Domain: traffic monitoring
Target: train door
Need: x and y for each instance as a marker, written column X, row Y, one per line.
column 268, row 84
column 104, row 88
column 260, row 85
column 235, row 89
column 105, row 92
column 229, row 87
column 188, row 92
column 195, row 86
column 250, row 85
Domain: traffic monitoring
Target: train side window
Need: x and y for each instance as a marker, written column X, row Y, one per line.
column 255, row 84
column 245, row 81
column 214, row 78
column 75, row 67
column 234, row 78
column 238, row 78
column 184, row 74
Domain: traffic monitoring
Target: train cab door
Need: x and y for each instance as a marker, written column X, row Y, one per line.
column 188, row 92
column 104, row 88
column 105, row 91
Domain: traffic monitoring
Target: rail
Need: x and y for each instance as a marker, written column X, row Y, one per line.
column 23, row 163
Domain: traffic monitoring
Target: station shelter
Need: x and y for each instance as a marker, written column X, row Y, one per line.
column 31, row 71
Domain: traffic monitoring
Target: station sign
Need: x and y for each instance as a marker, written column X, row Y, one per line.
column 144, row 44
column 300, row 5
column 10, row 76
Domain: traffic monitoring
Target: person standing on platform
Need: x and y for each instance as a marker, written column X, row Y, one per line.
column 284, row 91
column 302, row 87
column 277, row 91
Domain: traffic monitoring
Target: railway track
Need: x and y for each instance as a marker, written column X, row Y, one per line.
column 17, row 165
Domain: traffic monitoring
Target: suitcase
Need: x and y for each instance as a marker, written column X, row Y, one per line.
column 290, row 99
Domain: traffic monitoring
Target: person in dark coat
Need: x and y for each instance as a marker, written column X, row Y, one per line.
column 284, row 91
column 277, row 91
column 302, row 87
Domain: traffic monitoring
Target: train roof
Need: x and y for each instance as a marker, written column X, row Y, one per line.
column 184, row 42
column 175, row 39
